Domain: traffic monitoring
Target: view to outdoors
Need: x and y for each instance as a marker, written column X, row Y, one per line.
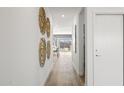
column 62, row 43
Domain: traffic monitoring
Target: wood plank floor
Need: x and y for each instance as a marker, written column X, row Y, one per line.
column 63, row 73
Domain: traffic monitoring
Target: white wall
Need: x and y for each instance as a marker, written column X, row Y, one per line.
column 75, row 56
column 19, row 43
column 78, row 57
column 81, row 42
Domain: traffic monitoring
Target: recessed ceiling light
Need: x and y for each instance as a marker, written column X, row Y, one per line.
column 63, row 16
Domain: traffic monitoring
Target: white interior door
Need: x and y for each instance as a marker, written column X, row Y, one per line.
column 108, row 50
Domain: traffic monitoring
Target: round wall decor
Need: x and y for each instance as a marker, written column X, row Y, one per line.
column 48, row 27
column 42, row 20
column 48, row 49
column 42, row 51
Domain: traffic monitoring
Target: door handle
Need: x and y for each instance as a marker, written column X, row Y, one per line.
column 98, row 55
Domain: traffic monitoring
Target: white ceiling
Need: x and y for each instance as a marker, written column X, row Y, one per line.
column 63, row 25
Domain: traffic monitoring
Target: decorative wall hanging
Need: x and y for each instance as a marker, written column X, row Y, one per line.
column 44, row 47
column 48, row 27
column 75, row 38
column 42, row 20
column 48, row 49
column 42, row 51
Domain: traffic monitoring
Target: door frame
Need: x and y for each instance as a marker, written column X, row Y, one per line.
column 90, row 14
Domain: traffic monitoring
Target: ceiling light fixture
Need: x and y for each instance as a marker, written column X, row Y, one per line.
column 63, row 16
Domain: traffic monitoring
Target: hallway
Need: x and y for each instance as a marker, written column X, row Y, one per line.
column 63, row 73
